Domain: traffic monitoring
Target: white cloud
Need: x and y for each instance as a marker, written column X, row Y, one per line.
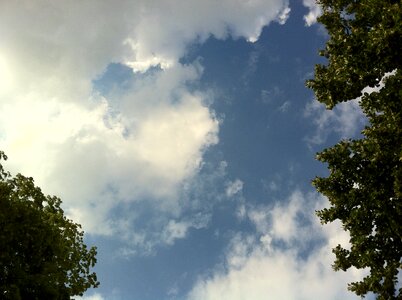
column 100, row 154
column 346, row 119
column 314, row 11
column 280, row 221
column 57, row 48
column 178, row 230
column 93, row 159
column 82, row 38
column 234, row 187
column 95, row 296
column 165, row 27
column 284, row 16
column 272, row 264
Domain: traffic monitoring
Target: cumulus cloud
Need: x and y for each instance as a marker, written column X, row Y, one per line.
column 139, row 144
column 97, row 156
column 273, row 263
column 71, row 42
column 166, row 27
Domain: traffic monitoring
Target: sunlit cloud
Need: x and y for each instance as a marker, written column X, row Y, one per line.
column 100, row 153
column 275, row 263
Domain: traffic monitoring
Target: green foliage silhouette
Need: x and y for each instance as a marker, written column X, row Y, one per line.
column 364, row 186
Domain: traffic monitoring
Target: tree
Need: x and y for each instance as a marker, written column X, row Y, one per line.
column 42, row 254
column 364, row 186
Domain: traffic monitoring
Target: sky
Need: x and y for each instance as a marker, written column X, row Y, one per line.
column 181, row 135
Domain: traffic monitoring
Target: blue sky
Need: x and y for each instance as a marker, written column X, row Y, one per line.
column 181, row 136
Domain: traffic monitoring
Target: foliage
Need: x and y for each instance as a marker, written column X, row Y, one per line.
column 364, row 186
column 42, row 254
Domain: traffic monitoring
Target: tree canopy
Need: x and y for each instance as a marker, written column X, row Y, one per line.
column 42, row 253
column 364, row 186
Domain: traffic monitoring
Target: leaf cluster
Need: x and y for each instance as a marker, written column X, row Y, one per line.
column 365, row 43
